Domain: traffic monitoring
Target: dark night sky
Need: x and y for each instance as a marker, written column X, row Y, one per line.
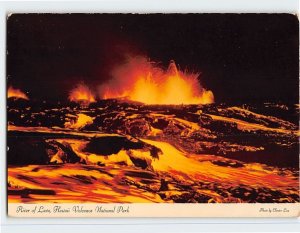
column 241, row 57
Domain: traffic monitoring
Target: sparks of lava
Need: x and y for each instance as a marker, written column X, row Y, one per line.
column 143, row 81
column 16, row 93
column 82, row 94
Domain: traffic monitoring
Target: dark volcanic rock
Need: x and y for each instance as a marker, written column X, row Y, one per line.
column 108, row 145
column 67, row 155
column 138, row 162
column 29, row 149
column 137, row 127
column 26, row 150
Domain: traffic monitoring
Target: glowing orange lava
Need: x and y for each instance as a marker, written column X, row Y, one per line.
column 143, row 81
column 82, row 94
column 81, row 121
column 16, row 93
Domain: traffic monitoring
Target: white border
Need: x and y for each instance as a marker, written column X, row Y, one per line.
column 137, row 224
column 153, row 6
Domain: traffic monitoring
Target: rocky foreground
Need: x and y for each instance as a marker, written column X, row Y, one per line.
column 117, row 151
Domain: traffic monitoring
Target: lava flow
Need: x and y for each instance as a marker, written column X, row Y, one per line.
column 82, row 94
column 125, row 152
column 16, row 93
column 144, row 81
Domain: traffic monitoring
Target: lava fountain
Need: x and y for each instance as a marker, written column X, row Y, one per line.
column 82, row 94
column 144, row 81
column 16, row 93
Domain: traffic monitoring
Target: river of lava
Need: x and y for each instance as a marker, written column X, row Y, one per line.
column 128, row 153
column 119, row 177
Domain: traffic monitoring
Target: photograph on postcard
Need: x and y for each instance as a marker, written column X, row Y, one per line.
column 152, row 108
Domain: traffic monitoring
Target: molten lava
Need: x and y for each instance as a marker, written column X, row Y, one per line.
column 82, row 94
column 16, row 93
column 141, row 80
column 81, row 121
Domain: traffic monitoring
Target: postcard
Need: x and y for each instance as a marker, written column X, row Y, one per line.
column 152, row 115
